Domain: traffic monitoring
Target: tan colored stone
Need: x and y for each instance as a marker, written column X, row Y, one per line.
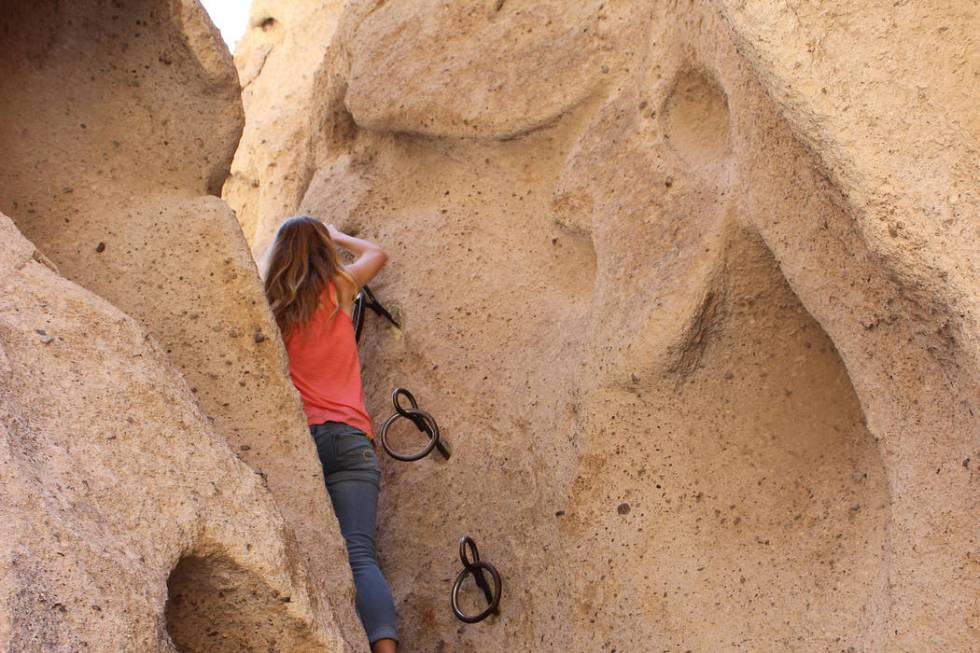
column 112, row 478
column 108, row 175
column 546, row 58
column 695, row 300
column 690, row 287
column 278, row 59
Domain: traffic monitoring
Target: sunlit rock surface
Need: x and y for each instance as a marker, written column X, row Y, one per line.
column 119, row 123
column 691, row 289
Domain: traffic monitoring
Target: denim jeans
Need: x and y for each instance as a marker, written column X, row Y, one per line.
column 350, row 470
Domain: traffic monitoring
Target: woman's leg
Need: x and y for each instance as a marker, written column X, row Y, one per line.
column 355, row 502
column 350, row 468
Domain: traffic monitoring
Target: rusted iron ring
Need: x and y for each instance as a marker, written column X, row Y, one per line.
column 476, row 567
column 423, row 421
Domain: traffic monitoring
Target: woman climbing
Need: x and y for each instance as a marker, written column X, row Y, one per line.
column 311, row 294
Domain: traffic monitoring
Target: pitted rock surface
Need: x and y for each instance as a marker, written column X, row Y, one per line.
column 119, row 122
column 711, row 261
column 122, row 507
column 691, row 289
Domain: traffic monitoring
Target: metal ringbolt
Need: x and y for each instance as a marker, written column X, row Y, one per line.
column 473, row 565
column 366, row 299
column 423, row 421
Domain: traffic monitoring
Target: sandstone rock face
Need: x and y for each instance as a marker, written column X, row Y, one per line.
column 519, row 84
column 119, row 122
column 127, row 523
column 691, row 289
column 277, row 60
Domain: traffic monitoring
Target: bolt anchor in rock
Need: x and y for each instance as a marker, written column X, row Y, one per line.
column 366, row 299
column 470, row 557
column 423, row 421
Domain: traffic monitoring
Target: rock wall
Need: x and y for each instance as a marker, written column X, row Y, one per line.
column 119, row 122
column 127, row 523
column 691, row 288
column 284, row 46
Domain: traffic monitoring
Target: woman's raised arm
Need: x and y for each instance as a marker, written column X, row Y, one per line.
column 369, row 258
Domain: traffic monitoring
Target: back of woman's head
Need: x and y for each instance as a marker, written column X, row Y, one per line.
column 300, row 263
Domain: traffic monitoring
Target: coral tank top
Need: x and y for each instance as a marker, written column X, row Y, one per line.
column 325, row 367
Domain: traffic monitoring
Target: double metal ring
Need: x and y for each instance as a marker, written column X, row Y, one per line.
column 423, row 421
column 476, row 567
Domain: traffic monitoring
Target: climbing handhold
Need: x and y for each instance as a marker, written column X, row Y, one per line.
column 423, row 421
column 473, row 565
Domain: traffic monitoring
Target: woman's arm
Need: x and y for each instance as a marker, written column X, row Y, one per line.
column 369, row 258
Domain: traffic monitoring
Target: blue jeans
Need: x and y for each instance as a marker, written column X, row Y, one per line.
column 350, row 469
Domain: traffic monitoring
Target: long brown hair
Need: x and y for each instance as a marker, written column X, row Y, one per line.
column 300, row 262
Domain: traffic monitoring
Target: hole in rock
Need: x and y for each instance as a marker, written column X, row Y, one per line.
column 216, row 606
column 696, row 119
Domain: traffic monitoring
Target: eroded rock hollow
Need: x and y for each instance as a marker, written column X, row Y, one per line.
column 691, row 288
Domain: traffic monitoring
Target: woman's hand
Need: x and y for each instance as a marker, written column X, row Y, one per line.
column 369, row 258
